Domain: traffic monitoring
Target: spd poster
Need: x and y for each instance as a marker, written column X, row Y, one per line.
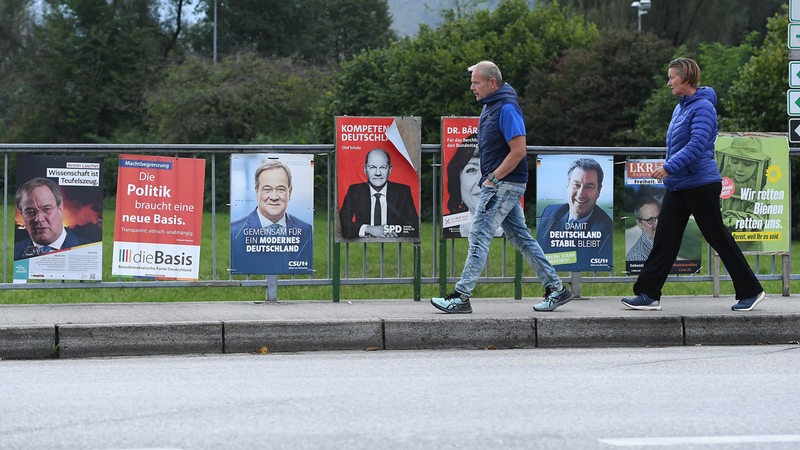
column 377, row 186
column 159, row 217
column 756, row 195
column 272, row 213
column 574, row 206
column 59, row 218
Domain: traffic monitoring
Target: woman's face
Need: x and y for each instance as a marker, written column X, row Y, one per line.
column 741, row 170
column 679, row 86
column 470, row 177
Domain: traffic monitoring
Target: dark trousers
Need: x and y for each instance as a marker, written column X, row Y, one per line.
column 676, row 207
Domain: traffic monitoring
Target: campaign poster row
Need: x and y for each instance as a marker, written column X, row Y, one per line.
column 159, row 204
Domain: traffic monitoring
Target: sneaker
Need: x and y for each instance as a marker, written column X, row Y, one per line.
column 749, row 303
column 454, row 303
column 553, row 299
column 642, row 302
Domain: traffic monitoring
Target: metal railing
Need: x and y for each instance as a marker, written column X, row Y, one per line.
column 341, row 260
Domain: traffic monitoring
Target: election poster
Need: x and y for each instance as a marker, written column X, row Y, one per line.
column 642, row 206
column 575, row 203
column 272, row 214
column 756, row 195
column 461, row 176
column 59, row 218
column 377, row 187
column 159, row 217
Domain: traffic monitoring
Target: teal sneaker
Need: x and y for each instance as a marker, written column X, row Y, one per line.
column 642, row 302
column 749, row 303
column 553, row 299
column 454, row 303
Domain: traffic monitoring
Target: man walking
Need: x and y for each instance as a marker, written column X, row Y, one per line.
column 501, row 141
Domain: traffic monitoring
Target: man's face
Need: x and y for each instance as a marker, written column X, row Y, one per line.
column 274, row 193
column 482, row 87
column 377, row 169
column 582, row 192
column 648, row 218
column 42, row 217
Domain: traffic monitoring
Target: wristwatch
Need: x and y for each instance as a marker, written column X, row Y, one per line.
column 494, row 180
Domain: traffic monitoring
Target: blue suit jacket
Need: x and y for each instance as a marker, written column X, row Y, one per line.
column 554, row 218
column 72, row 240
column 272, row 261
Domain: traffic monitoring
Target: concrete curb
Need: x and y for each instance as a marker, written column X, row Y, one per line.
column 28, row 342
column 77, row 341
column 297, row 336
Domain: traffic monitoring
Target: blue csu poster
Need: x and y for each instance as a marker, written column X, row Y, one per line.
column 574, row 207
column 272, row 212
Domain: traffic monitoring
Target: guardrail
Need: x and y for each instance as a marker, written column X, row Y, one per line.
column 341, row 258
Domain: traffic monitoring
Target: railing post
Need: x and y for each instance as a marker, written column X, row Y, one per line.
column 272, row 289
column 517, row 275
column 417, row 272
column 336, row 275
column 575, row 283
column 442, row 266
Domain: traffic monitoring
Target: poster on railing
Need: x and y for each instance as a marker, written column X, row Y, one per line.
column 461, row 175
column 272, row 212
column 574, row 206
column 642, row 207
column 159, row 217
column 377, row 186
column 59, row 218
column 756, row 195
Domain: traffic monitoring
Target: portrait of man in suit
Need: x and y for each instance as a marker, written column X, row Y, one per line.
column 268, row 240
column 378, row 208
column 40, row 203
column 579, row 224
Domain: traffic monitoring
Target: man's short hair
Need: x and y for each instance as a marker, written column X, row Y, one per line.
column 388, row 158
column 273, row 164
column 32, row 184
column 488, row 69
column 587, row 164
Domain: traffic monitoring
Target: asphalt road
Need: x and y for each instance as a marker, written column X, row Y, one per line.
column 705, row 397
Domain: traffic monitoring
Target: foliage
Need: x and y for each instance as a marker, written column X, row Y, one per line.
column 427, row 76
column 683, row 22
column 239, row 100
column 720, row 68
column 82, row 74
column 592, row 96
column 314, row 30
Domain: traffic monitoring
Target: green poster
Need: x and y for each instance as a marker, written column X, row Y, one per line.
column 756, row 192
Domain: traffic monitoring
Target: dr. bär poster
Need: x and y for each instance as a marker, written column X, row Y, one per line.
column 159, row 217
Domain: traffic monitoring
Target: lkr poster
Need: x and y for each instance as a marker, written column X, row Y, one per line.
column 272, row 212
column 756, row 195
column 377, row 187
column 159, row 217
column 59, row 218
column 575, row 203
column 642, row 206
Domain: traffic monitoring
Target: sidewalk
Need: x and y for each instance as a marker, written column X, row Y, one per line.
column 88, row 330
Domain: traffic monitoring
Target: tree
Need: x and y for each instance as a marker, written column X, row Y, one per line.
column 592, row 96
column 82, row 75
column 239, row 100
column 315, row 30
column 427, row 75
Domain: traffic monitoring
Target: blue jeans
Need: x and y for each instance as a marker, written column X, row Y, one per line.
column 501, row 206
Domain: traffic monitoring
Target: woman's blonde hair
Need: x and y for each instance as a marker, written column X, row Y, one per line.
column 688, row 70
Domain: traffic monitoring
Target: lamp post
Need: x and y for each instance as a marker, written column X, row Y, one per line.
column 642, row 6
column 215, row 31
